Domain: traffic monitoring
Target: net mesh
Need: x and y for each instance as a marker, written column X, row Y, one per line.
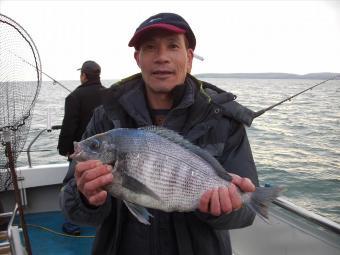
column 20, row 81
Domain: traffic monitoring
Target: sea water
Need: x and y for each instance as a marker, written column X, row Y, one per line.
column 295, row 145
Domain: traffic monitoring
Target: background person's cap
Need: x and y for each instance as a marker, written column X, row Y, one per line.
column 168, row 21
column 90, row 67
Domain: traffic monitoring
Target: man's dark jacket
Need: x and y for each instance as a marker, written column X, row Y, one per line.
column 79, row 106
column 199, row 119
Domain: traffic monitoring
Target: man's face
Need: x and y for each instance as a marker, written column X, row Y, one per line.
column 83, row 78
column 164, row 60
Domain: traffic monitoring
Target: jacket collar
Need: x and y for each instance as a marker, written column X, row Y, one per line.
column 135, row 104
column 129, row 94
column 90, row 83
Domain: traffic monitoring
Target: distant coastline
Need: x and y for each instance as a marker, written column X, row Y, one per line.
column 309, row 76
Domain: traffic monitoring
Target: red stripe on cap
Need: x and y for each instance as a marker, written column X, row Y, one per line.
column 164, row 26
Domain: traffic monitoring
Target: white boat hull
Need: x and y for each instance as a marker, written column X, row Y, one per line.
column 288, row 234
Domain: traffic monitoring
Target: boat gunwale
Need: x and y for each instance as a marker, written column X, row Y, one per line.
column 308, row 215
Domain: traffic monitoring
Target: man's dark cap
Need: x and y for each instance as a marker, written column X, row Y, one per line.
column 167, row 21
column 90, row 67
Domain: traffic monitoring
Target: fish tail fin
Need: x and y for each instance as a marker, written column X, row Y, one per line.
column 259, row 200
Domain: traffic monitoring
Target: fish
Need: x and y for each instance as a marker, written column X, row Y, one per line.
column 154, row 167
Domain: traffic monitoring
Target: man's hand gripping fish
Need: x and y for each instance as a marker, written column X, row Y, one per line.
column 156, row 168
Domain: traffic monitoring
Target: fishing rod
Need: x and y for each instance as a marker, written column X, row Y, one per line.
column 246, row 116
column 259, row 113
column 53, row 80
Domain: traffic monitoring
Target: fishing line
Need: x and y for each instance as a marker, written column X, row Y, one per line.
column 259, row 113
column 53, row 80
column 56, row 232
column 246, row 115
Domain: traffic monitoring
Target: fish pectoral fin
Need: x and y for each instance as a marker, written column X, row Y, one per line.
column 138, row 187
column 140, row 212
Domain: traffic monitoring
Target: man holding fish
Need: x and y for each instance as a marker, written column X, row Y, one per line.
column 131, row 213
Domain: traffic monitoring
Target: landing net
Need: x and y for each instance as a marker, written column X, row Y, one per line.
column 20, row 81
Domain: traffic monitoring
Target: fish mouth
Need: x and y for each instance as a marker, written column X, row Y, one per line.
column 78, row 156
column 78, row 153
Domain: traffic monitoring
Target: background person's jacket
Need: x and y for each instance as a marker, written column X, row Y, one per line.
column 79, row 106
column 199, row 120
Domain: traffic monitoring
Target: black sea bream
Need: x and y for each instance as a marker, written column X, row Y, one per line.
column 157, row 168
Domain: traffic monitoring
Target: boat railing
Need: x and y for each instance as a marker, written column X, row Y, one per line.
column 310, row 216
column 11, row 241
column 48, row 129
column 280, row 201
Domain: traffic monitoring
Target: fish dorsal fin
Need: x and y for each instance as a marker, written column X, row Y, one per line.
column 178, row 139
column 169, row 135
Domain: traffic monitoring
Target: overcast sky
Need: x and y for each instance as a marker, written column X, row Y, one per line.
column 233, row 36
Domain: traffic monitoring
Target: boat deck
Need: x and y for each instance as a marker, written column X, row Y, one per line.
column 47, row 238
column 292, row 230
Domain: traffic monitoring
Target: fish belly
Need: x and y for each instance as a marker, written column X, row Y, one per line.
column 178, row 176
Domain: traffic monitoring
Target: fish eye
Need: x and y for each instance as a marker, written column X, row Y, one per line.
column 95, row 144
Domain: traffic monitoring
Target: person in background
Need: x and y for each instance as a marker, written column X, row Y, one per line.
column 79, row 106
column 165, row 94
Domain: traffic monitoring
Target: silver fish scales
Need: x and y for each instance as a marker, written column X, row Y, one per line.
column 157, row 168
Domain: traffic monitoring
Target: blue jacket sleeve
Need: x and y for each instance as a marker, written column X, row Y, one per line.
column 72, row 203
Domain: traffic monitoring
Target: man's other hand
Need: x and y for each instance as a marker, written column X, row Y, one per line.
column 225, row 199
